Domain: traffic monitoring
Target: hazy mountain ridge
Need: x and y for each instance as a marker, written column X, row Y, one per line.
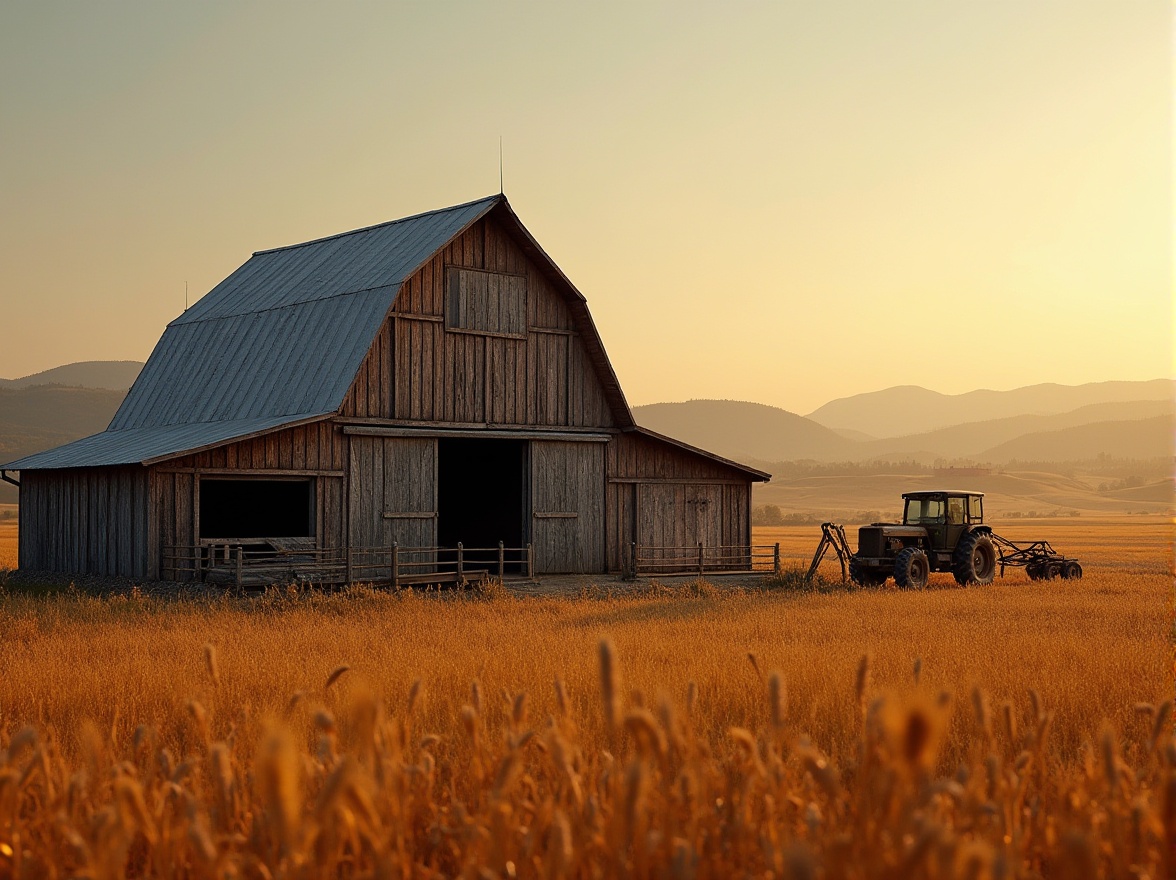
column 113, row 375
column 756, row 432
column 911, row 409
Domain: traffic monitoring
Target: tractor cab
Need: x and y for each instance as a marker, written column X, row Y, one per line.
column 945, row 515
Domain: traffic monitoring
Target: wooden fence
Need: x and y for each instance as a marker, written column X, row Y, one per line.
column 261, row 564
column 699, row 559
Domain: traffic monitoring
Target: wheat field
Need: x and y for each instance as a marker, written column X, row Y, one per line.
column 1015, row 730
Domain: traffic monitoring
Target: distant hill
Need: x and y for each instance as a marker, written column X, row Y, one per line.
column 909, row 409
column 745, row 431
column 1145, row 438
column 115, row 375
column 974, row 439
column 754, row 432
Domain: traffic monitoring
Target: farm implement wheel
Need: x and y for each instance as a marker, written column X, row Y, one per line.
column 1072, row 571
column 911, row 569
column 974, row 561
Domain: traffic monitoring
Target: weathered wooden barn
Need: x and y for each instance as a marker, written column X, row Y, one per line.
column 416, row 384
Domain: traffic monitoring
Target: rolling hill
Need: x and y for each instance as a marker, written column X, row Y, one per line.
column 909, row 409
column 744, row 431
column 755, row 432
column 115, row 375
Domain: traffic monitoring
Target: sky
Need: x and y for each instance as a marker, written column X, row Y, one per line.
column 779, row 202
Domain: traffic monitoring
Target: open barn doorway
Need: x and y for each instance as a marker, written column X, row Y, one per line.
column 481, row 492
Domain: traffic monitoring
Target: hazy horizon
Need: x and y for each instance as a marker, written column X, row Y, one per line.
column 784, row 203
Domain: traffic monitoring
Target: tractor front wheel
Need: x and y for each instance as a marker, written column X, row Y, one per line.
column 911, row 569
column 974, row 561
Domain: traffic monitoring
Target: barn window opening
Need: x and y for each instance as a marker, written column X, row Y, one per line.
column 234, row 509
column 481, row 490
column 486, row 302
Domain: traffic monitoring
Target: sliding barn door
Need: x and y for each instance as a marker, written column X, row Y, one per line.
column 393, row 492
column 567, row 506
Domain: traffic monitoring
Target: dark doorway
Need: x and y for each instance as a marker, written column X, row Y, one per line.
column 256, row 508
column 481, row 487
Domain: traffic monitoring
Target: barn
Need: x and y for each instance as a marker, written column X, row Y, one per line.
column 361, row 406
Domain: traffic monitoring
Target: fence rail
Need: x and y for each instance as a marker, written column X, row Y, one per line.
column 261, row 563
column 699, row 559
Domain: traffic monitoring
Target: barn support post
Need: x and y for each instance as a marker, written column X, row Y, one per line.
column 530, row 562
column 350, row 564
column 501, row 561
column 240, row 553
column 700, row 561
column 776, row 560
column 395, row 573
column 633, row 560
column 460, row 567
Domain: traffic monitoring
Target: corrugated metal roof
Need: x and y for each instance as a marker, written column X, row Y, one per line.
column 277, row 342
column 145, row 445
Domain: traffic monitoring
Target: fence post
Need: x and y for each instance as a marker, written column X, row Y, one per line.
column 530, row 562
column 501, row 561
column 700, row 558
column 460, row 573
column 395, row 564
column 776, row 560
column 350, row 563
column 239, row 554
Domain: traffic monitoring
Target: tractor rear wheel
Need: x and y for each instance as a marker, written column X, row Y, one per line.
column 866, row 577
column 911, row 569
column 974, row 561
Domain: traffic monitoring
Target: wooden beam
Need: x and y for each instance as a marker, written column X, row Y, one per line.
column 390, row 431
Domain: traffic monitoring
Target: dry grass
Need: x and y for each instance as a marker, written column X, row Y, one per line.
column 714, row 762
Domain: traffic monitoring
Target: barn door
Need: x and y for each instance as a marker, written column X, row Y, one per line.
column 674, row 518
column 567, row 506
column 393, row 495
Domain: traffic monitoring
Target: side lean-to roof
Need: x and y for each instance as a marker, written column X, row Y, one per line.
column 280, row 341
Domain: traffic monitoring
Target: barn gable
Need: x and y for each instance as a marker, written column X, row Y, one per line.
column 526, row 361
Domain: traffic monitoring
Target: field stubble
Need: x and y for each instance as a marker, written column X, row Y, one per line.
column 743, row 732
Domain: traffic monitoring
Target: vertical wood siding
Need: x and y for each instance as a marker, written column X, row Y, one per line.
column 417, row 370
column 567, row 500
column 662, row 495
column 85, row 521
column 392, row 492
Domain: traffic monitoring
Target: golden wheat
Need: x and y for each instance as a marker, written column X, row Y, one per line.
column 1013, row 730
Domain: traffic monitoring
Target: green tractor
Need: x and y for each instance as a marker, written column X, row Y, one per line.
column 941, row 530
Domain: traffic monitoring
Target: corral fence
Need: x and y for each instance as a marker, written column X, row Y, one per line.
column 264, row 562
column 699, row 559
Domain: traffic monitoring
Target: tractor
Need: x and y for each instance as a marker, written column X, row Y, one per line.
column 941, row 530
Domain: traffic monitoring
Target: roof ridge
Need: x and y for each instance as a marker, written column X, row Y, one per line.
column 287, row 247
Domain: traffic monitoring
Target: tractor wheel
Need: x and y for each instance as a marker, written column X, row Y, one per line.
column 1072, row 571
column 1052, row 570
column 911, row 569
column 974, row 561
column 863, row 576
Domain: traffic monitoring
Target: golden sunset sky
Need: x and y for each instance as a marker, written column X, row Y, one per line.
column 778, row 202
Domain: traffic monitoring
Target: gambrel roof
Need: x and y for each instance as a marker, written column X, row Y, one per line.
column 279, row 342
